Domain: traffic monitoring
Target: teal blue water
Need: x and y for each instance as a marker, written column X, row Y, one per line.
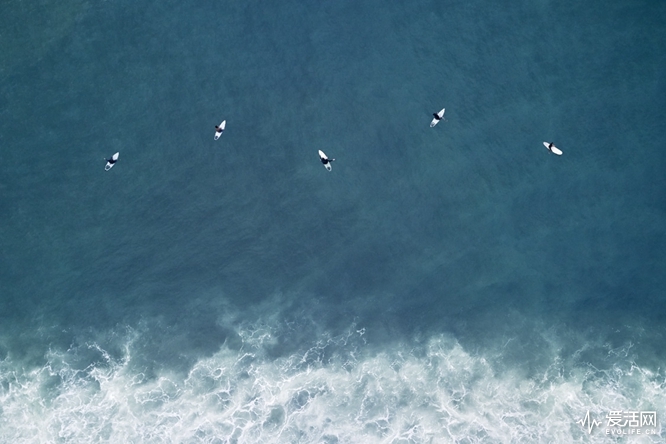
column 449, row 284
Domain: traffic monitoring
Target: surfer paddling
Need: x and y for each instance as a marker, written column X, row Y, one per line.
column 325, row 160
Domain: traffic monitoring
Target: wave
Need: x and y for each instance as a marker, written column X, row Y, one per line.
column 328, row 389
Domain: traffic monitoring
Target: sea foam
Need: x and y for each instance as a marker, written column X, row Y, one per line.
column 336, row 389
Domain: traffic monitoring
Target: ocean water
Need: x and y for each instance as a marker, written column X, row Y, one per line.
column 458, row 284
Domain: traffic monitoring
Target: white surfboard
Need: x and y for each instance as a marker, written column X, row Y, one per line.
column 440, row 116
column 218, row 132
column 110, row 164
column 325, row 160
column 552, row 148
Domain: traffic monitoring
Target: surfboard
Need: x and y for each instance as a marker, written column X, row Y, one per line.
column 553, row 149
column 435, row 120
column 323, row 156
column 110, row 165
column 218, row 133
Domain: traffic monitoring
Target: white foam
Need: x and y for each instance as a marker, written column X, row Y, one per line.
column 336, row 390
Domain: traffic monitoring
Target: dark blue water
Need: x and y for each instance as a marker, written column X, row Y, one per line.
column 453, row 284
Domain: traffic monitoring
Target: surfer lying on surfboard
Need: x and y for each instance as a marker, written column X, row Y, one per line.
column 325, row 160
column 219, row 129
column 437, row 117
column 552, row 148
column 110, row 162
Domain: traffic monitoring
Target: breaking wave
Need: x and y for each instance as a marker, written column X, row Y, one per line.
column 332, row 389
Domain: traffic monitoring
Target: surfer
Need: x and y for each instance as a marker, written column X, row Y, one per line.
column 325, row 160
column 110, row 162
column 552, row 148
column 437, row 117
column 219, row 129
